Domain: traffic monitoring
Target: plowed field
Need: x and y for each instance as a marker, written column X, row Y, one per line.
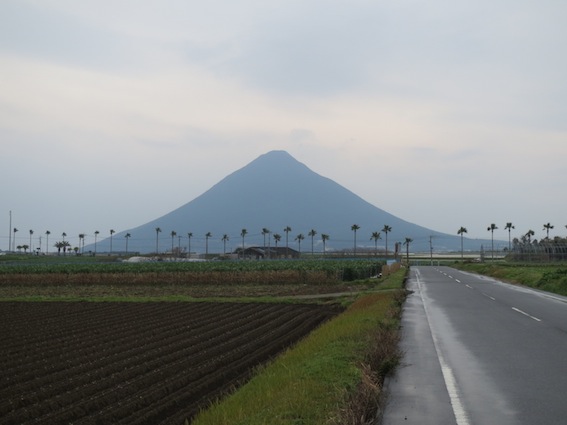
column 136, row 363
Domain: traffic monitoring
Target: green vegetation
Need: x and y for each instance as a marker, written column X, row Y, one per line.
column 183, row 280
column 550, row 278
column 334, row 376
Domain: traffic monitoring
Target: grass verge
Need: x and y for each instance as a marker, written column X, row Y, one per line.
column 550, row 278
column 334, row 376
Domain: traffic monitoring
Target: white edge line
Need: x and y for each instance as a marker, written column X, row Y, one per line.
column 450, row 382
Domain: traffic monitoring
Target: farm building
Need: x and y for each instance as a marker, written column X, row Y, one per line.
column 261, row 252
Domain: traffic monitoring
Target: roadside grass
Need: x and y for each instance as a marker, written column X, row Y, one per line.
column 334, row 376
column 550, row 278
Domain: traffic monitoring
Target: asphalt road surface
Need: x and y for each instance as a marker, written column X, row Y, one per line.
column 479, row 351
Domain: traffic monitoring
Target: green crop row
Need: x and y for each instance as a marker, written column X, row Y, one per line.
column 345, row 270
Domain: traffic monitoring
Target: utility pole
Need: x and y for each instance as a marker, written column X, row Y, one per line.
column 431, row 249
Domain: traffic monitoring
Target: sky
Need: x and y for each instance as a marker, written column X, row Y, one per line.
column 443, row 113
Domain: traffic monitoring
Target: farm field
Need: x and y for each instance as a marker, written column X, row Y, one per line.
column 136, row 363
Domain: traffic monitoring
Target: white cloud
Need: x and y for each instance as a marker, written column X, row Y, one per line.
column 428, row 110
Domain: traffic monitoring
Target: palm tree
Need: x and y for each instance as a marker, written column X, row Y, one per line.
column 243, row 233
column 287, row 230
column 462, row 231
column 491, row 229
column 224, row 241
column 31, row 233
column 312, row 233
column 112, row 232
column 509, row 227
column 82, row 241
column 14, row 240
column 324, row 238
column 529, row 235
column 299, row 238
column 354, row 228
column 375, row 236
column 386, row 229
column 95, row 236
column 173, row 234
column 47, row 233
column 264, row 233
column 277, row 238
column 189, row 236
column 158, row 231
column 127, row 236
column 207, row 236
column 407, row 244
column 547, row 227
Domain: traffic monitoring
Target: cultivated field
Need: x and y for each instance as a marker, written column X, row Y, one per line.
column 136, row 363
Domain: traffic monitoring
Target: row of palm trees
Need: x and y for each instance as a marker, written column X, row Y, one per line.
column 509, row 226
column 276, row 236
column 64, row 245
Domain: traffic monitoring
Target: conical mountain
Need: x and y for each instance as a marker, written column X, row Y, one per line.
column 272, row 192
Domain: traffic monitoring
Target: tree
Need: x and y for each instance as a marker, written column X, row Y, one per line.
column 299, row 238
column 14, row 238
column 264, row 233
column 324, row 238
column 491, row 229
column 243, row 233
column 287, row 229
column 207, row 236
column 375, row 236
column 312, row 233
column 224, row 241
column 547, row 227
column 112, row 232
column 64, row 245
column 277, row 238
column 354, row 228
column 189, row 236
column 82, row 240
column 30, row 246
column 386, row 229
column 47, row 233
column 127, row 236
column 462, row 231
column 407, row 244
column 529, row 235
column 158, row 231
column 173, row 234
column 95, row 236
column 509, row 227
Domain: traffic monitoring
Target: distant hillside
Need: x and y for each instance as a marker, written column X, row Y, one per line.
column 275, row 191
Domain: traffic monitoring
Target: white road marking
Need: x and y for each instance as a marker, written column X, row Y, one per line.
column 486, row 295
column 450, row 382
column 457, row 280
column 468, row 286
column 526, row 314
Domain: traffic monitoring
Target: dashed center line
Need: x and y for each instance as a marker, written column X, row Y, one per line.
column 457, row 280
column 526, row 314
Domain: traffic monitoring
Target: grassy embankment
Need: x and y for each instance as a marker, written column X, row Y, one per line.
column 550, row 278
column 334, row 376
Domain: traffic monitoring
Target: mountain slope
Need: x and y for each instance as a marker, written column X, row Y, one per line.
column 275, row 191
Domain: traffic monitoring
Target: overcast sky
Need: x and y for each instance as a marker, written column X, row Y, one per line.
column 444, row 113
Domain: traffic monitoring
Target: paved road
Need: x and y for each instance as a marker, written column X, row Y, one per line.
column 479, row 351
